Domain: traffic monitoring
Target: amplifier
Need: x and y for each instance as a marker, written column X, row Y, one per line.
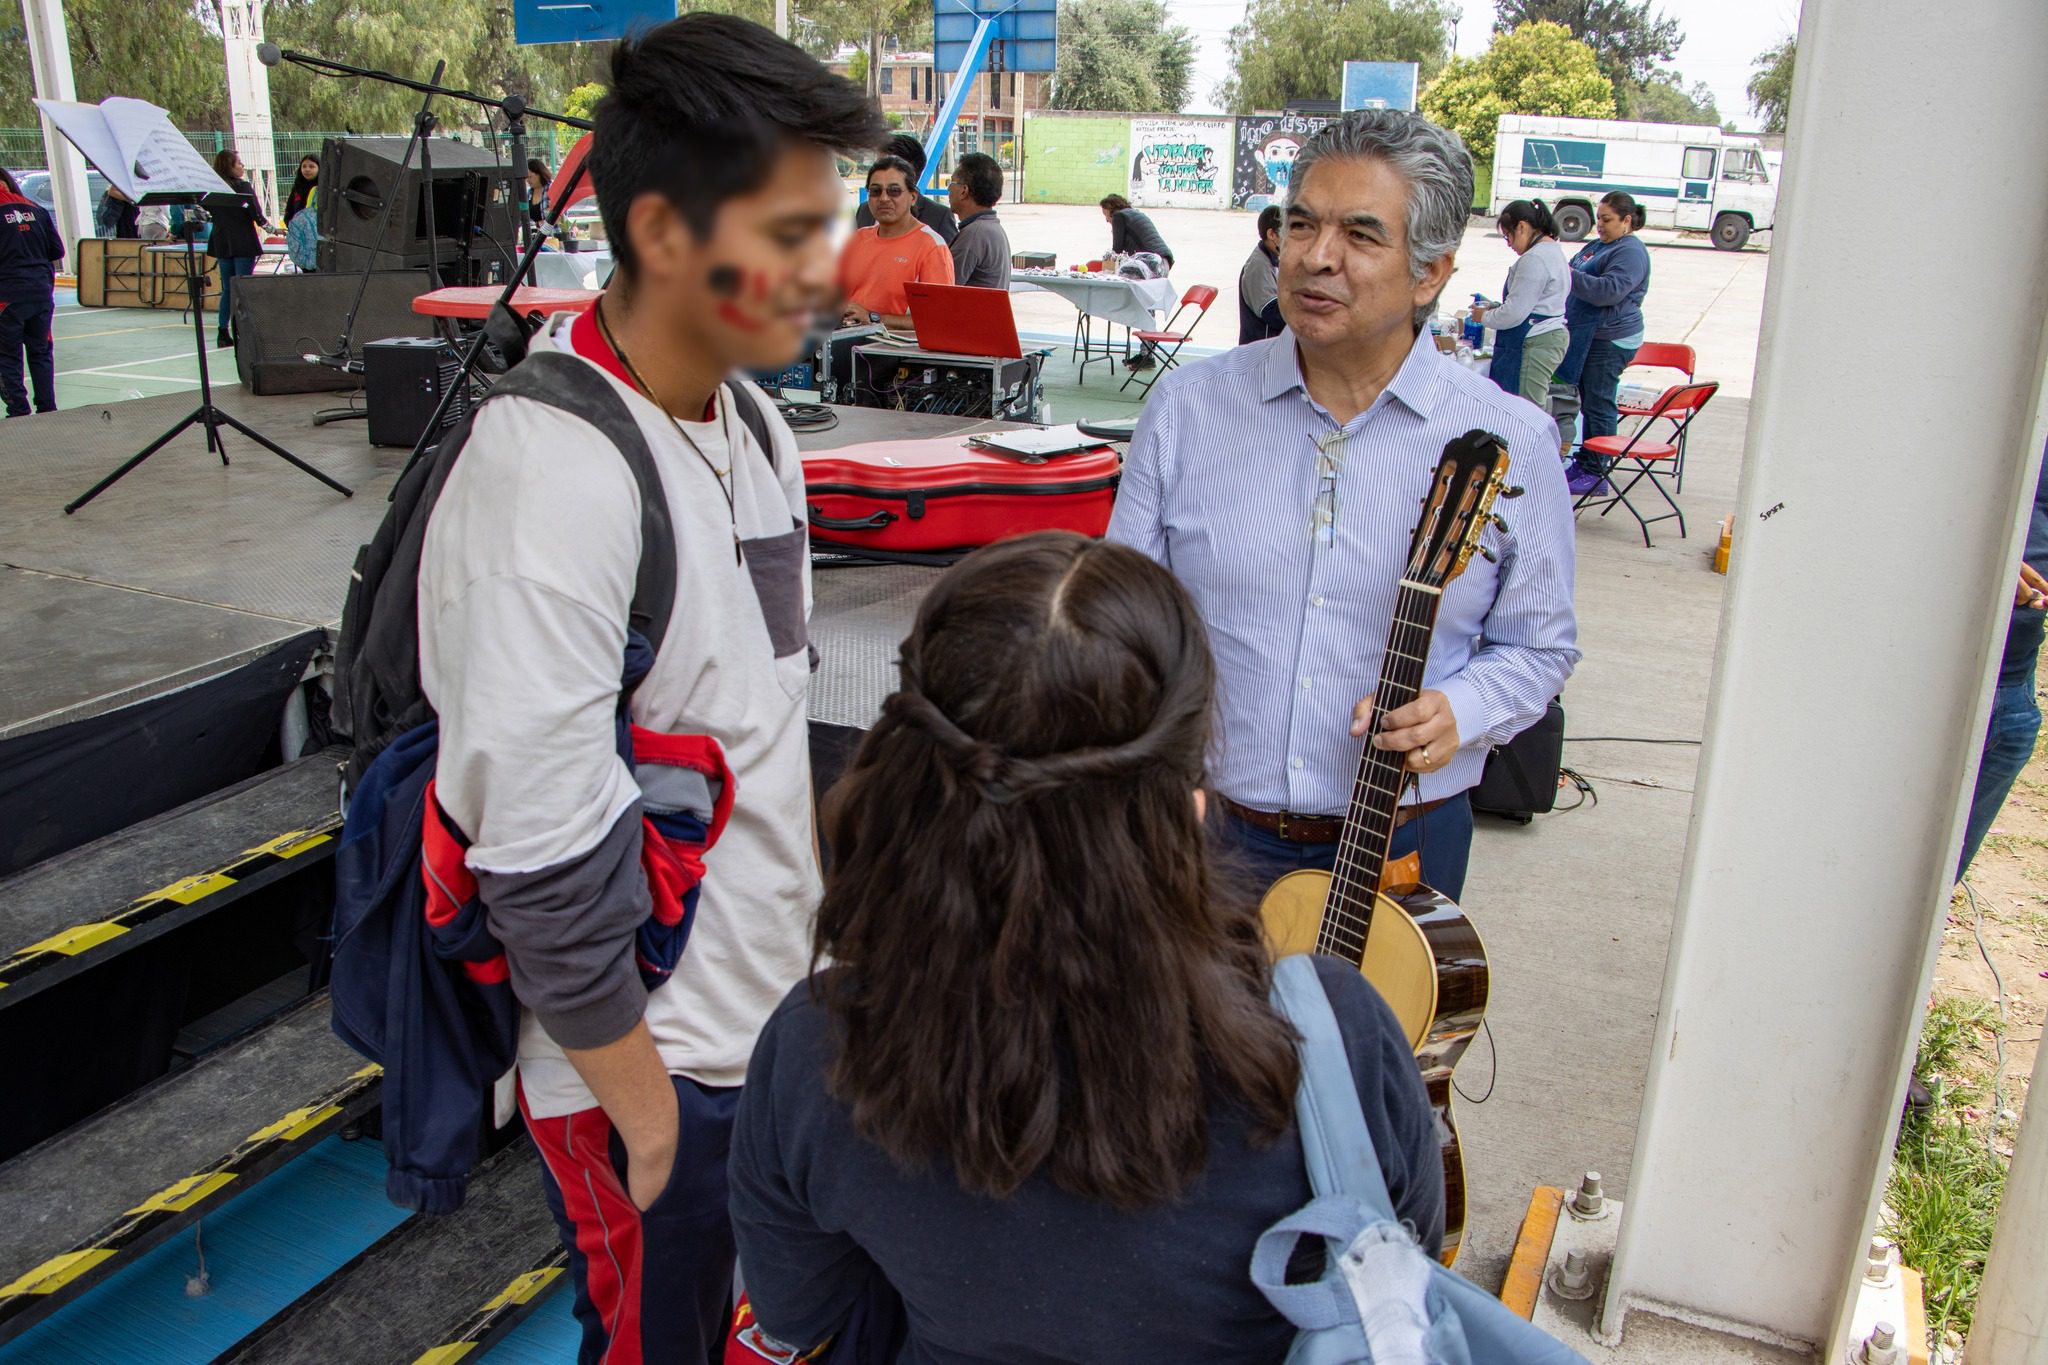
column 912, row 380
column 403, row 380
column 825, row 367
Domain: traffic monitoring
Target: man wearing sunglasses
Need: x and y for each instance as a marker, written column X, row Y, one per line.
column 879, row 261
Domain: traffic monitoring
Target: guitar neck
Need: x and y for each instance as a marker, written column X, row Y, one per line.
column 1376, row 793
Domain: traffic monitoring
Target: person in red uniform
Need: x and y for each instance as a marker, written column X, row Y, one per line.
column 29, row 251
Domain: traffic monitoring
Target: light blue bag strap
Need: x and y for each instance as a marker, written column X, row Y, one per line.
column 1334, row 1140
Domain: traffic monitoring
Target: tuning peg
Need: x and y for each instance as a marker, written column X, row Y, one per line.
column 1486, row 551
column 1512, row 491
column 1500, row 523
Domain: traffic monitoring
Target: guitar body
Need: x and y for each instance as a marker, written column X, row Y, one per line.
column 1425, row 958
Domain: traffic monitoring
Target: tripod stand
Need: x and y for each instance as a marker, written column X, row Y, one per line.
column 206, row 414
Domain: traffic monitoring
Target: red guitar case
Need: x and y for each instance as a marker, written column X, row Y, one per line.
column 920, row 496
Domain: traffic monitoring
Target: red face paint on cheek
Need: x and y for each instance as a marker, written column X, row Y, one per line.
column 729, row 312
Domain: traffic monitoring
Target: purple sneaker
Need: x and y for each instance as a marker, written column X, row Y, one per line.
column 1583, row 481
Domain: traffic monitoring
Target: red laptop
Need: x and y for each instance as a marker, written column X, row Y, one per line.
column 962, row 321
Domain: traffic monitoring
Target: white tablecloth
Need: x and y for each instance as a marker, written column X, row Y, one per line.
column 572, row 269
column 1137, row 304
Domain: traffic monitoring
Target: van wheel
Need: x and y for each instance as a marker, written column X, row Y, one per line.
column 1573, row 222
column 1731, row 230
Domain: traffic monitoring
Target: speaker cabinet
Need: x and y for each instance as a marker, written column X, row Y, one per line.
column 403, row 381
column 364, row 188
column 280, row 319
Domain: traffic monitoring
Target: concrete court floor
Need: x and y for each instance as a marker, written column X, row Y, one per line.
column 1576, row 907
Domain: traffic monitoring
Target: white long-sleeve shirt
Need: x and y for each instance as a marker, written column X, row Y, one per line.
column 1537, row 284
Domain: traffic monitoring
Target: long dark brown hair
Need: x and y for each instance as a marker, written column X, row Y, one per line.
column 1035, row 966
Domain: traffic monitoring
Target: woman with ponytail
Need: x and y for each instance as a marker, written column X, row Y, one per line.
column 1038, row 1098
column 1605, row 315
column 1529, row 334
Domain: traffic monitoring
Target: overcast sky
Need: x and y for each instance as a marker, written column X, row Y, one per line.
column 1722, row 39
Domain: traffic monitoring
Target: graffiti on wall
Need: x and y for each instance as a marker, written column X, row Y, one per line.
column 1179, row 163
column 1267, row 145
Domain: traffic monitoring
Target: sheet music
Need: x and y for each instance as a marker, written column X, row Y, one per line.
column 132, row 143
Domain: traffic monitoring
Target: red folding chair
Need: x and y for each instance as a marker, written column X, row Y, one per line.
column 1198, row 297
column 1637, row 458
column 1662, row 355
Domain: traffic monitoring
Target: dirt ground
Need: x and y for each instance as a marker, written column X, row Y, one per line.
column 2010, row 879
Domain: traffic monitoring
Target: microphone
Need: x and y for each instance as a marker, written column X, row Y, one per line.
column 334, row 362
column 269, row 54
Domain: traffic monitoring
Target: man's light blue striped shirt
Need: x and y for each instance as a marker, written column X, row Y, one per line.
column 1221, row 487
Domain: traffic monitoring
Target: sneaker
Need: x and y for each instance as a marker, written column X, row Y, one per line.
column 1141, row 361
column 224, row 341
column 1582, row 482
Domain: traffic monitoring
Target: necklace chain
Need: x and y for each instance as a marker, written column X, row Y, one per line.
column 722, row 475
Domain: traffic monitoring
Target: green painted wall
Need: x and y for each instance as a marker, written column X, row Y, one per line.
column 1076, row 158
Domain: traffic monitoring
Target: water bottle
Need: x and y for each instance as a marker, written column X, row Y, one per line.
column 1475, row 332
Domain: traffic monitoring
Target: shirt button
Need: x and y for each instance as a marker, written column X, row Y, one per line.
column 1294, row 764
column 1304, row 684
column 1316, row 601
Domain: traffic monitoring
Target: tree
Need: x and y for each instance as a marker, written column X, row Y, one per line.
column 1124, row 55
column 165, row 51
column 1770, row 89
column 1625, row 36
column 1664, row 99
column 1287, row 50
column 582, row 101
column 1537, row 69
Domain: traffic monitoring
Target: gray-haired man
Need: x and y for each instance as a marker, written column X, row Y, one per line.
column 1279, row 482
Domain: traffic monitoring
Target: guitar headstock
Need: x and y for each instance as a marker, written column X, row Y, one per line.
column 1471, row 474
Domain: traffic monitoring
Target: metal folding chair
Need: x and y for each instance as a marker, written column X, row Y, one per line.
column 1662, row 355
column 1637, row 458
column 1198, row 297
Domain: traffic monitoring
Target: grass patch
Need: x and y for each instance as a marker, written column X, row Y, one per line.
column 2012, row 843
column 1945, row 1183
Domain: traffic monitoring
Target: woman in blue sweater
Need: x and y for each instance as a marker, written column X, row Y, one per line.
column 1605, row 315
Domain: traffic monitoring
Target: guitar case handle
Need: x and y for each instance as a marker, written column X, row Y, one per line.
column 873, row 522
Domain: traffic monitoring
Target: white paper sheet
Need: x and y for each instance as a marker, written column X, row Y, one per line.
column 133, row 144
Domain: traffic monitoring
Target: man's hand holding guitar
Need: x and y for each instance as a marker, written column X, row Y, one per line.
column 1424, row 728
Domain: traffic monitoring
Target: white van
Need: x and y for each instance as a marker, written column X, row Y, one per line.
column 1695, row 178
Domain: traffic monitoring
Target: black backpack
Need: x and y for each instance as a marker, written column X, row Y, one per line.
column 377, row 694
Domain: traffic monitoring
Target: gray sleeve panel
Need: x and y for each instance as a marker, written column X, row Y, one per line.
column 568, row 934
column 1258, row 283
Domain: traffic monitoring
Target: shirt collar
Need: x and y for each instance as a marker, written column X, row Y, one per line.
column 587, row 339
column 977, row 217
column 1416, row 385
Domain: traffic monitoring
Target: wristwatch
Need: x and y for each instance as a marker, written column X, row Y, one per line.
column 874, row 316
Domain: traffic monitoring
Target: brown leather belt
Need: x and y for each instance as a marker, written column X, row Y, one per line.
column 1315, row 829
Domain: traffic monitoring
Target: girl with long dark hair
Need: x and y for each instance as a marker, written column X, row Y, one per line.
column 1039, row 1095
column 1609, row 278
column 234, row 242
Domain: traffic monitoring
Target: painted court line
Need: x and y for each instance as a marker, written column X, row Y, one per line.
column 153, row 360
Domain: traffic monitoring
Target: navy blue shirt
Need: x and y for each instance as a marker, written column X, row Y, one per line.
column 29, row 250
column 1043, row 1277
column 1613, row 277
column 2023, row 636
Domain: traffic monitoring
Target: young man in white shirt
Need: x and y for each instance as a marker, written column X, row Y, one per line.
column 713, row 163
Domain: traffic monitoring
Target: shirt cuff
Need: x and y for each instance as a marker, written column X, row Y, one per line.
column 1469, row 710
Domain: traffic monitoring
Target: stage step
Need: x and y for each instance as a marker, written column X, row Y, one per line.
column 88, row 1202
column 123, row 959
column 434, row 1289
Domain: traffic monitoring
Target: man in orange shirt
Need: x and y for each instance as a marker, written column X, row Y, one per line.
column 878, row 261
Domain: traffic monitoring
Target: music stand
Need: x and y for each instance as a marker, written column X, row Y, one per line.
column 206, row 414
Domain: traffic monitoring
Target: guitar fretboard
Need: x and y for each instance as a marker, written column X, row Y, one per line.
column 1376, row 794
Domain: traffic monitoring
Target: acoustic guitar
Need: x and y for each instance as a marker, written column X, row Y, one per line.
column 1416, row 947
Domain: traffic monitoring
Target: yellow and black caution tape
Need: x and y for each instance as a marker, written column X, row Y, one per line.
column 35, row 965
column 64, row 1276
column 498, row 1313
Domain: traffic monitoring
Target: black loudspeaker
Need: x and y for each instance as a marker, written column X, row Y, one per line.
column 362, row 184
column 281, row 319
column 403, row 380
column 1520, row 778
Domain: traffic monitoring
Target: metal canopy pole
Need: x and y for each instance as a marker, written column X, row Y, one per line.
column 49, row 52
column 1892, row 444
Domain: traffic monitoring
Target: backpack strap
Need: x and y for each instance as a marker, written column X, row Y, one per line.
column 576, row 387
column 754, row 420
column 1334, row 1139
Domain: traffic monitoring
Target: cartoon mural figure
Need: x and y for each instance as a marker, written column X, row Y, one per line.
column 1277, row 156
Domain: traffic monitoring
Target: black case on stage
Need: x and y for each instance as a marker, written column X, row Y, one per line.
column 403, row 380
column 280, row 319
column 1520, row 780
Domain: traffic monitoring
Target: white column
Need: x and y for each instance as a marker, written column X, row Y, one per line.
column 49, row 54
column 782, row 18
column 249, row 101
column 2011, row 1326
column 1891, row 449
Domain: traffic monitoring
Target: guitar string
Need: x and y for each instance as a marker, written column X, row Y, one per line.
column 1367, row 831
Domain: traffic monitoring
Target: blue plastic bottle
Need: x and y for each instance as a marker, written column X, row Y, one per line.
column 1475, row 332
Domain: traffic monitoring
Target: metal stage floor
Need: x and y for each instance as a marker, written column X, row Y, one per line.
column 186, row 569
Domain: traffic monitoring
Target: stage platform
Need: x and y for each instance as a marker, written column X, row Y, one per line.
column 186, row 569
